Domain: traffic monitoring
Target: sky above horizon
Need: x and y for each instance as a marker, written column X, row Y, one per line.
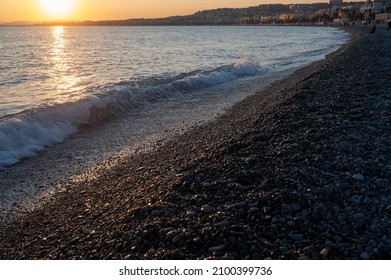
column 45, row 10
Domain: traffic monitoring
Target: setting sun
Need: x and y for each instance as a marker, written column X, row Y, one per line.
column 58, row 8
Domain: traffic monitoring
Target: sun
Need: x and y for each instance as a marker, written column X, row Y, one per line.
column 57, row 8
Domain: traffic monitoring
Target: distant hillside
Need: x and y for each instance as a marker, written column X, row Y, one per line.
column 21, row 23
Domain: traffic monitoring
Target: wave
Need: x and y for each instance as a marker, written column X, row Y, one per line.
column 24, row 134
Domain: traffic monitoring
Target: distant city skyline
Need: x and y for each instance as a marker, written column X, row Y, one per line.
column 46, row 10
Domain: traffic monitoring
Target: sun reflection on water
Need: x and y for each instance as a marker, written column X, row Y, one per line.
column 62, row 71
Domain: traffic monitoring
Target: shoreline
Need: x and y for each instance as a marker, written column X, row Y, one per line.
column 299, row 170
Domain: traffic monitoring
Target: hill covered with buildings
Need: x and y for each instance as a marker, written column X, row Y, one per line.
column 334, row 11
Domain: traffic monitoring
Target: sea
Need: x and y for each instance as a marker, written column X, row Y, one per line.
column 85, row 94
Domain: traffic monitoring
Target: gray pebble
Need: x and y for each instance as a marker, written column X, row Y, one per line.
column 217, row 249
column 207, row 208
column 364, row 256
column 358, row 177
column 296, row 236
column 155, row 213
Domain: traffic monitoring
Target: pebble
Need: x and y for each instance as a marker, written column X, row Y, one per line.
column 176, row 239
column 296, row 236
column 223, row 224
column 217, row 249
column 207, row 208
column 170, row 235
column 191, row 213
column 291, row 223
column 364, row 256
column 296, row 206
column 325, row 252
column 155, row 213
column 358, row 177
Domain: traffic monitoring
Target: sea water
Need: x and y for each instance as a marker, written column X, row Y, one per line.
column 55, row 80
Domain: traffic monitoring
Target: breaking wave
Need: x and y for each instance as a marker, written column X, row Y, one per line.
column 24, row 134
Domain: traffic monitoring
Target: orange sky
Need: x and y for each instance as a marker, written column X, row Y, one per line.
column 18, row 10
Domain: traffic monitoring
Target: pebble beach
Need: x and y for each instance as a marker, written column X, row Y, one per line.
column 299, row 170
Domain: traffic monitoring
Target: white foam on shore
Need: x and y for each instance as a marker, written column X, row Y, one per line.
column 24, row 134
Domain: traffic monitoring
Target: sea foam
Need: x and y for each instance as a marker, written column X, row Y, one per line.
column 24, row 134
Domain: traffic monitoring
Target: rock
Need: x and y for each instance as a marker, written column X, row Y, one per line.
column 325, row 252
column 177, row 238
column 291, row 223
column 296, row 236
column 374, row 228
column 207, row 208
column 197, row 240
column 156, row 213
column 191, row 213
column 198, row 177
column 223, row 224
column 358, row 177
column 170, row 235
column 355, row 199
column 358, row 215
column 217, row 249
column 364, row 256
column 296, row 206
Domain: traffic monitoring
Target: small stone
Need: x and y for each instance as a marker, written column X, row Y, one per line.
column 223, row 224
column 373, row 228
column 364, row 256
column 217, row 249
column 156, row 213
column 284, row 249
column 358, row 216
column 70, row 253
column 207, row 208
column 191, row 213
column 198, row 177
column 355, row 199
column 329, row 243
column 197, row 240
column 325, row 252
column 358, row 177
column 297, row 206
column 170, row 235
column 176, row 239
column 368, row 200
column 254, row 204
column 291, row 223
column 296, row 236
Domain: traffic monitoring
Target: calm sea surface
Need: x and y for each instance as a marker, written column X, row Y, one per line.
column 53, row 79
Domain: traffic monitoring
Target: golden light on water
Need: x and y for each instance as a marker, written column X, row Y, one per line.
column 57, row 8
column 62, row 71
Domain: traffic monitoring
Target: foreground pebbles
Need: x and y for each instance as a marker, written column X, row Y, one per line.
column 301, row 170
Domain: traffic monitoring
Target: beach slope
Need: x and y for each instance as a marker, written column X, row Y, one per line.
column 300, row 170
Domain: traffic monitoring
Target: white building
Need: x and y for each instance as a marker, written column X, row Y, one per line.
column 366, row 8
column 385, row 17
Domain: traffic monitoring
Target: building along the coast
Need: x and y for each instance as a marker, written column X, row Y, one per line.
column 335, row 11
column 381, row 6
column 385, row 17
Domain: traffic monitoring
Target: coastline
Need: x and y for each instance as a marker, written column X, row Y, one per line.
column 298, row 170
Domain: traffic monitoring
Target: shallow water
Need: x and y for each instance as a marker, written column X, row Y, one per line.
column 136, row 108
column 55, row 79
